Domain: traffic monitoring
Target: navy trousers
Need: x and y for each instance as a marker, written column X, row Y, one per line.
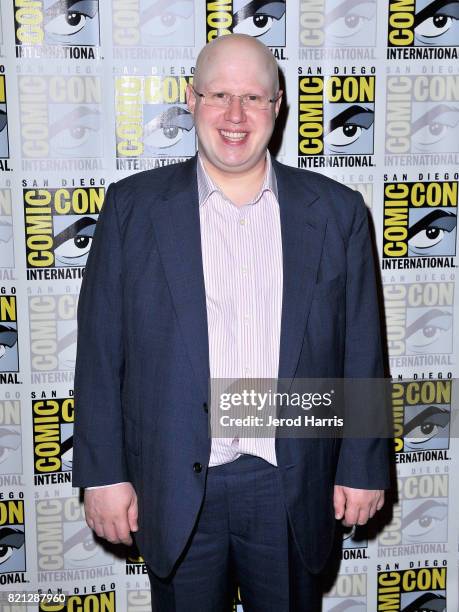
column 241, row 539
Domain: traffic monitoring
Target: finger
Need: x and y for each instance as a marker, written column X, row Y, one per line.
column 111, row 533
column 122, row 532
column 339, row 500
column 99, row 529
column 363, row 516
column 132, row 516
column 380, row 502
column 351, row 515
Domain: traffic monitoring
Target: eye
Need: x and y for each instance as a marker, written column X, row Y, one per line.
column 424, row 519
column 11, row 540
column 427, row 238
column 3, row 120
column 344, row 135
column 172, row 19
column 428, row 329
column 74, row 243
column 434, row 26
column 435, row 125
column 423, row 433
column 75, row 248
column 5, row 553
column 349, row 24
column 10, row 441
column 168, row 128
column 256, row 25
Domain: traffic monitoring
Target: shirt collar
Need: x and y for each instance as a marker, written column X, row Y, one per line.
column 206, row 186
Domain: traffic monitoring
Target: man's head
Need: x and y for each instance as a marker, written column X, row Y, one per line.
column 233, row 139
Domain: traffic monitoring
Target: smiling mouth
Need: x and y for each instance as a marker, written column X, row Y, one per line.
column 233, row 136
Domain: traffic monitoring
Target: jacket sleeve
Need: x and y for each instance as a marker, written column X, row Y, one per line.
column 98, row 452
column 363, row 462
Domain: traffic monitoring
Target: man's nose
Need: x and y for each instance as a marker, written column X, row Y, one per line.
column 235, row 111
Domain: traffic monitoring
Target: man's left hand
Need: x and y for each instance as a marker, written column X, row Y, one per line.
column 356, row 506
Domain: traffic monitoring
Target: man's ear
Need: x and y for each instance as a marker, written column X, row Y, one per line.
column 190, row 98
column 278, row 102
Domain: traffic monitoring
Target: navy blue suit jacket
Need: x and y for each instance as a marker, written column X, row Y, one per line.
column 142, row 370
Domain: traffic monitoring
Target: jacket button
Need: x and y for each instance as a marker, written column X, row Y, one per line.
column 197, row 467
column 205, row 407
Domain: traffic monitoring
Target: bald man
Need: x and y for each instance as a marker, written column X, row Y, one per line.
column 229, row 265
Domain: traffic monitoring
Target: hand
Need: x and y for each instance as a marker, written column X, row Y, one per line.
column 356, row 506
column 112, row 512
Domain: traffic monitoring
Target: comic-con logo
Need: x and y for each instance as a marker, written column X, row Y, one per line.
column 152, row 120
column 9, row 356
column 104, row 601
column 53, row 331
column 56, row 28
column 4, row 145
column 263, row 19
column 419, row 318
column 349, row 594
column 337, row 23
column 422, row 415
column 59, row 226
column 426, row 23
column 412, row 589
column 10, row 439
column 12, row 537
column 336, row 118
column 422, row 114
column 135, row 563
column 64, row 541
column 153, row 23
column 420, row 517
column 6, row 229
column 61, row 118
column 420, row 219
column 53, row 439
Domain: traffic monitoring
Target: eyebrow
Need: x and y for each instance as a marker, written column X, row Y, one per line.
column 67, row 341
column 8, row 335
column 74, row 539
column 66, row 445
column 11, row 537
column 154, row 11
column 447, row 220
column 426, row 318
column 432, row 114
column 72, row 230
column 433, row 8
column 424, row 507
column 344, row 8
column 252, row 8
column 431, row 411
column 425, row 598
column 62, row 6
column 68, row 119
column 356, row 112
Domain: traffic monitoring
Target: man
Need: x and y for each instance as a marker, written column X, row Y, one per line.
column 230, row 265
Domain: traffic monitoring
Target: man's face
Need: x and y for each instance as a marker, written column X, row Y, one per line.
column 234, row 139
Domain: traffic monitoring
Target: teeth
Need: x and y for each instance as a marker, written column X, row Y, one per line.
column 233, row 135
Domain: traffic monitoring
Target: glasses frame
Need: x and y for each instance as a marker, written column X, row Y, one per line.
column 204, row 94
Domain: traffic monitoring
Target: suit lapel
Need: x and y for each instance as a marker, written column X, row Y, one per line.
column 177, row 230
column 303, row 231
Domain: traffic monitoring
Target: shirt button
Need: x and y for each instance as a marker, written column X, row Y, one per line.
column 242, row 221
column 197, row 467
column 246, row 370
column 245, row 270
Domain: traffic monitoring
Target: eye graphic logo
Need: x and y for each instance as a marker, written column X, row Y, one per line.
column 12, row 536
column 57, row 22
column 413, row 590
column 4, row 147
column 419, row 318
column 425, row 23
column 422, row 114
column 262, row 19
column 60, row 225
column 422, row 415
column 6, row 229
column 336, row 115
column 10, row 437
column 152, row 119
column 420, row 219
column 61, row 117
column 9, row 357
column 153, row 23
column 338, row 23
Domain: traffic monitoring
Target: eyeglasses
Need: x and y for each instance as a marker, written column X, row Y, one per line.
column 222, row 99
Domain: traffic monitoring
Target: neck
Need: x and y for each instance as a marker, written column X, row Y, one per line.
column 240, row 188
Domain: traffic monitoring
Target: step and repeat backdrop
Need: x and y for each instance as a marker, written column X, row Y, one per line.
column 92, row 91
